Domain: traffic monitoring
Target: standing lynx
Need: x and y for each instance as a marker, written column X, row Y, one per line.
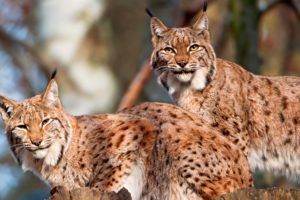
column 259, row 114
column 156, row 151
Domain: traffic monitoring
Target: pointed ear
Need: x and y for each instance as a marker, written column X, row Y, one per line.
column 157, row 27
column 50, row 97
column 7, row 107
column 201, row 23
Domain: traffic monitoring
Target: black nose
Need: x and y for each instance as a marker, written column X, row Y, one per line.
column 182, row 63
column 36, row 142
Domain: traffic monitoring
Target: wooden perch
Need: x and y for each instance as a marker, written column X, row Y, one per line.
column 59, row 193
column 263, row 194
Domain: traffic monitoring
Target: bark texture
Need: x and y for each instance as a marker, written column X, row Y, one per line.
column 60, row 193
column 263, row 194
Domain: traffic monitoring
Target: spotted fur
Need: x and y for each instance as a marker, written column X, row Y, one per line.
column 259, row 114
column 154, row 150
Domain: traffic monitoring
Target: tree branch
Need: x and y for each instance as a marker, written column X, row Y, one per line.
column 17, row 62
column 43, row 61
column 46, row 64
column 136, row 86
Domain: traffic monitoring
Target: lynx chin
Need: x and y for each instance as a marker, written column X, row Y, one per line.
column 258, row 114
column 156, row 151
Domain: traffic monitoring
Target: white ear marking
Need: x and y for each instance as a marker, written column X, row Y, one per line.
column 50, row 96
column 9, row 110
column 201, row 24
column 6, row 108
column 157, row 27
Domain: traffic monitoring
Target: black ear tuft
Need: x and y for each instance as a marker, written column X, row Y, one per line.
column 2, row 105
column 149, row 12
column 204, row 5
column 53, row 74
column 6, row 108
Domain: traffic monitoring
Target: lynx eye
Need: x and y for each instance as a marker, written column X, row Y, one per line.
column 46, row 121
column 21, row 126
column 169, row 50
column 194, row 47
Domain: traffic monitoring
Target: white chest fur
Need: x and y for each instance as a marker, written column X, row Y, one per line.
column 199, row 80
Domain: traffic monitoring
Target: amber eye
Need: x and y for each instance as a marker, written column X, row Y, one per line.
column 22, row 126
column 169, row 50
column 46, row 121
column 194, row 47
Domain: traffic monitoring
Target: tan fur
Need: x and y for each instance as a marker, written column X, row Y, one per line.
column 157, row 151
column 259, row 114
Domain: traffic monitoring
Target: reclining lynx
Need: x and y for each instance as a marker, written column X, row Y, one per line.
column 259, row 114
column 156, row 151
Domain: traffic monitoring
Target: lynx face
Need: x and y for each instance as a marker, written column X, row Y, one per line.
column 36, row 126
column 185, row 54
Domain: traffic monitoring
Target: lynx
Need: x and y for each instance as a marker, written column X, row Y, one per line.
column 156, row 151
column 259, row 114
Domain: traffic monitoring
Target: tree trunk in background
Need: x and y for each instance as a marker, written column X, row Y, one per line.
column 245, row 31
column 127, row 23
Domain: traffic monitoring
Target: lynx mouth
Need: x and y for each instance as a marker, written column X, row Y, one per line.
column 184, row 76
column 183, row 72
column 38, row 148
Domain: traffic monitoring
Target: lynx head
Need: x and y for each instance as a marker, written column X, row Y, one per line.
column 185, row 53
column 36, row 126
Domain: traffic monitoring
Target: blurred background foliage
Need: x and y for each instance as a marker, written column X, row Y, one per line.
column 99, row 45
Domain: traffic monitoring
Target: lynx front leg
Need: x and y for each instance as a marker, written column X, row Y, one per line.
column 128, row 175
